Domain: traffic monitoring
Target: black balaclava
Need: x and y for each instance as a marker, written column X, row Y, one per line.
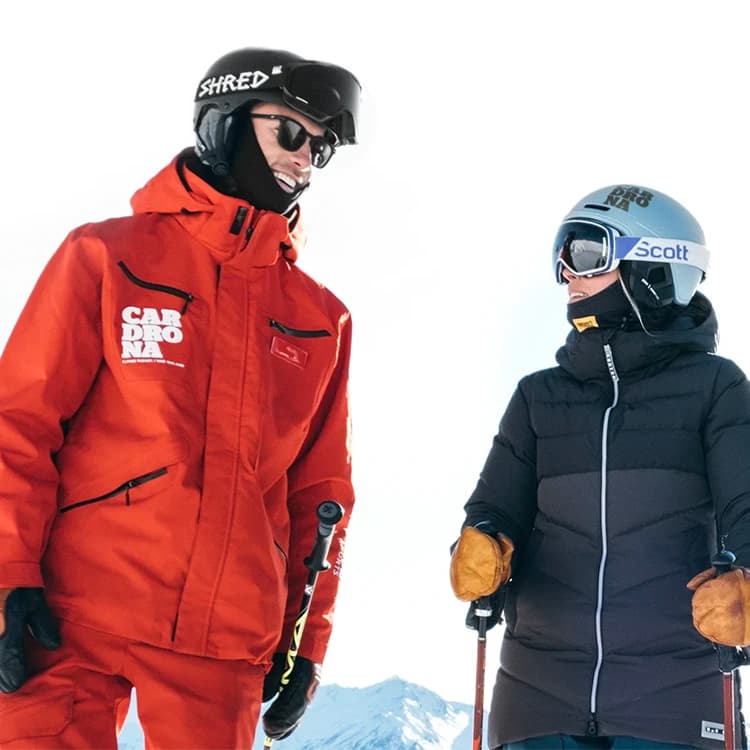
column 249, row 171
column 250, row 177
column 609, row 308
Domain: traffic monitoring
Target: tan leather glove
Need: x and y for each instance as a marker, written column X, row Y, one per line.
column 721, row 606
column 480, row 564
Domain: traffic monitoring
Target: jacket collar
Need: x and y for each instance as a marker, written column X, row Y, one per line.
column 226, row 226
column 637, row 353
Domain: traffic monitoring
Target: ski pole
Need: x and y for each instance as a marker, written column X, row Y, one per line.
column 482, row 610
column 729, row 659
column 329, row 514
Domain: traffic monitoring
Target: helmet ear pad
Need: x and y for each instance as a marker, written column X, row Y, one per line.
column 218, row 135
column 650, row 284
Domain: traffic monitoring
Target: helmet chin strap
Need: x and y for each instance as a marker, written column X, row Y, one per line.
column 633, row 304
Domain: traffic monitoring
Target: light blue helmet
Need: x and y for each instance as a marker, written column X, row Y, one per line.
column 660, row 249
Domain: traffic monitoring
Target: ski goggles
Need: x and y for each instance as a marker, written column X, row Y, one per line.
column 291, row 136
column 587, row 248
column 325, row 93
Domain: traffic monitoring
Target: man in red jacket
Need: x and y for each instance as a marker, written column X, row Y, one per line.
column 173, row 409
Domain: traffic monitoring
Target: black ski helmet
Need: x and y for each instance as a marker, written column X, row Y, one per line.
column 325, row 93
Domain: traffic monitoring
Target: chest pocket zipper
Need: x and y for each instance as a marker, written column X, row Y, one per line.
column 174, row 291
column 125, row 487
column 303, row 334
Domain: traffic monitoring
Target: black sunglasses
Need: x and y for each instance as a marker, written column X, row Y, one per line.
column 291, row 136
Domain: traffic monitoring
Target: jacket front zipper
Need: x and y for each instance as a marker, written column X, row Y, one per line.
column 174, row 291
column 298, row 332
column 125, row 487
column 592, row 725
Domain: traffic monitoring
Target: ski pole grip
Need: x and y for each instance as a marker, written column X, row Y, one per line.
column 329, row 514
column 482, row 610
column 729, row 656
column 723, row 561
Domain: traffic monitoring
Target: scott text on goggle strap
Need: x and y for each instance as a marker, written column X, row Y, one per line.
column 672, row 251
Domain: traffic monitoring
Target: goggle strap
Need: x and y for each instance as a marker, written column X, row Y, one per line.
column 662, row 250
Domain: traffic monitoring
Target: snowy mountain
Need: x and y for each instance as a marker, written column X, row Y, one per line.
column 391, row 715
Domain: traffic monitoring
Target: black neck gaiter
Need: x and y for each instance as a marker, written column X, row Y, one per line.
column 607, row 309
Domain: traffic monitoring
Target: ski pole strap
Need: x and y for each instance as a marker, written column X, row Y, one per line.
column 730, row 658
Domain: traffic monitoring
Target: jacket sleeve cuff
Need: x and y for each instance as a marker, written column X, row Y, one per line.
column 20, row 574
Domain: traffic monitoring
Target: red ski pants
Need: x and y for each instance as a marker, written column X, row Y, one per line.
column 78, row 697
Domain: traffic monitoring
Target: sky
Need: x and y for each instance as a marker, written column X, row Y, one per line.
column 482, row 124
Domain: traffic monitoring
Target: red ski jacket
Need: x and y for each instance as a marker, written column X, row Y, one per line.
column 173, row 408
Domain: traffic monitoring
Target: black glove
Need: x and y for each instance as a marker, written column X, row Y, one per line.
column 285, row 713
column 21, row 608
column 496, row 602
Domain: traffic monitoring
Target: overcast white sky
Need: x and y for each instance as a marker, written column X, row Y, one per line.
column 483, row 123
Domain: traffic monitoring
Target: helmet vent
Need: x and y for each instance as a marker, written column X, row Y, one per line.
column 596, row 206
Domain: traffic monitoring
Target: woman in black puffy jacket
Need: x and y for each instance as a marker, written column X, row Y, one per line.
column 612, row 481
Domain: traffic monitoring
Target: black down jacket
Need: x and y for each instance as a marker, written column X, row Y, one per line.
column 611, row 473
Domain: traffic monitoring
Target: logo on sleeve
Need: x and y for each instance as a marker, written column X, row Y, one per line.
column 148, row 333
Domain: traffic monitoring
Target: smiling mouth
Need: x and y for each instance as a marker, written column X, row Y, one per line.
column 287, row 182
column 575, row 296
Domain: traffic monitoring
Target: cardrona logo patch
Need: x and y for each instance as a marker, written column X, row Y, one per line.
column 148, row 333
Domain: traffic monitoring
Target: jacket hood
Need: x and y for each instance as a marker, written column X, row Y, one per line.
column 222, row 223
column 693, row 329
